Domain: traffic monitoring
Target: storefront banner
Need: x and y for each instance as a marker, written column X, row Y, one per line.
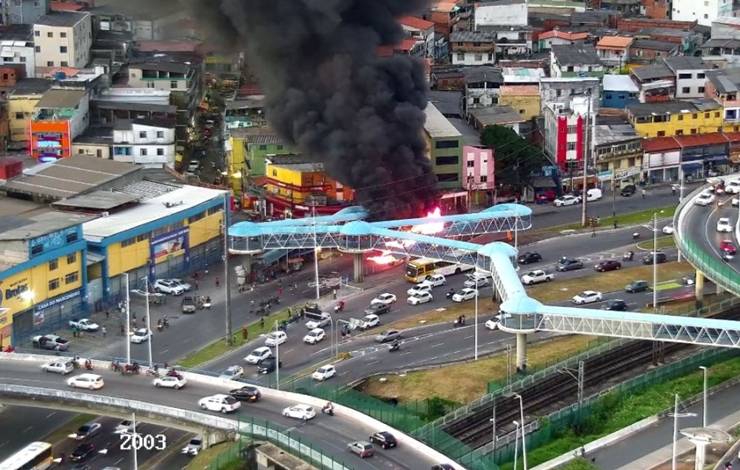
column 169, row 245
column 57, row 300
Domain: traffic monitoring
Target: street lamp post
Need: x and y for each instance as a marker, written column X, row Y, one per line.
column 477, row 288
column 227, row 274
column 135, row 441
column 315, row 252
column 148, row 320
column 675, row 416
column 277, row 359
column 127, row 339
column 584, row 193
column 704, row 397
column 578, row 378
column 493, row 428
column 524, row 440
column 655, row 261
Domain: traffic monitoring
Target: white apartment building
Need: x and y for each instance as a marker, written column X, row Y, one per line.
column 703, row 11
column 19, row 52
column 63, row 39
column 690, row 73
column 144, row 142
column 500, row 13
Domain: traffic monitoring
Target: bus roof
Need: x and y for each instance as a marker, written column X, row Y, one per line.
column 22, row 457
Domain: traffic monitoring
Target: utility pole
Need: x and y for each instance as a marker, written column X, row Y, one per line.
column 127, row 339
column 227, row 273
column 316, row 252
column 586, row 148
column 148, row 320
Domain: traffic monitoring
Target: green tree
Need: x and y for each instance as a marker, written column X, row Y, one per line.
column 516, row 158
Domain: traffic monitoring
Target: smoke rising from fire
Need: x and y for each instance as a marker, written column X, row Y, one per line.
column 332, row 97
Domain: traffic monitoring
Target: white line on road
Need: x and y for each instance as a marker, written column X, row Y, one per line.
column 373, row 362
column 468, row 337
column 164, row 351
column 51, row 414
column 289, row 351
column 27, row 429
column 118, row 461
column 438, row 345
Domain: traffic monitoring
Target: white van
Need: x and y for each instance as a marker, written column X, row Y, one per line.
column 594, row 194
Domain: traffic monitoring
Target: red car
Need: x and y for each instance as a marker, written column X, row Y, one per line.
column 728, row 247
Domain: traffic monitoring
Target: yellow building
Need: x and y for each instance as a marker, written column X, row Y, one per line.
column 177, row 230
column 672, row 118
column 525, row 99
column 21, row 106
column 42, row 275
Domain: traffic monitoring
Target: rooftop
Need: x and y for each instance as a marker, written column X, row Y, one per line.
column 17, row 32
column 60, row 98
column 471, row 36
column 520, row 90
column 522, row 75
column 681, row 62
column 416, row 22
column 162, row 66
column 149, row 210
column 18, row 228
column 728, row 43
column 62, row 19
column 619, row 83
column 614, row 42
column 570, row 36
column 652, row 72
column 97, row 201
column 127, row 124
column 32, row 86
column 496, row 115
column 483, row 73
column 651, row 44
column 611, row 133
column 576, row 54
column 672, row 107
column 438, row 126
column 725, row 80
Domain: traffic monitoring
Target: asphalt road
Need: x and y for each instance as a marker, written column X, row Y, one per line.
column 329, row 433
column 23, row 425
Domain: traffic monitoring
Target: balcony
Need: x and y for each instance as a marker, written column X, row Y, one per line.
column 54, row 114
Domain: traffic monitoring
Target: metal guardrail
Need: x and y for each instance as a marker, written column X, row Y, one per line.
column 264, row 430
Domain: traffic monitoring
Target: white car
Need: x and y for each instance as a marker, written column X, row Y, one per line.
column 467, row 293
column 491, row 324
column 421, row 298
column 124, row 427
column 724, row 225
column 304, row 412
column 735, row 201
column 474, row 281
column 436, row 280
column 59, row 366
column 193, row 447
column 587, row 297
column 704, row 199
column 495, row 322
column 668, row 229
column 318, row 323
column 193, row 166
column 324, row 373
column 385, row 299
column 232, row 373
column 732, row 187
column 537, row 276
column 567, row 200
column 420, row 288
column 186, row 286
column 275, row 338
column 258, row 355
column 169, row 381
column 369, row 321
column 84, row 324
column 88, row 381
column 141, row 335
column 219, row 402
column 167, row 286
column 314, row 336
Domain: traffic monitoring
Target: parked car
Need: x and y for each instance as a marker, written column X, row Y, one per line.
column 361, row 448
column 232, row 373
column 170, row 381
column 246, row 393
column 727, row 246
column 636, row 286
column 188, row 304
column 167, row 286
column 587, row 297
column 385, row 299
column 467, row 293
column 140, row 335
column 59, row 366
column 594, row 194
column 88, row 381
column 388, row 335
column 660, row 257
column 724, row 225
column 320, row 322
column 733, row 187
column 569, row 264
column 84, row 324
column 536, row 276
column 258, row 355
column 193, row 448
column 269, row 365
column 615, row 305
column 378, row 309
column 314, row 336
column 628, row 190
column 275, row 338
column 477, row 280
column 529, row 257
column 608, row 265
column 369, row 321
column 384, row 439
column 420, row 298
column 193, row 166
column 300, row 411
column 545, row 196
column 324, row 373
column 566, row 200
column 82, row 452
column 219, row 402
column 50, row 342
column 87, row 431
column 185, row 285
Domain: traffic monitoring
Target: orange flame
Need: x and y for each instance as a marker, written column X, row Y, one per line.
column 384, row 258
column 430, row 228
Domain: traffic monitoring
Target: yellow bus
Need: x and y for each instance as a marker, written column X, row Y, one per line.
column 35, row 456
column 418, row 269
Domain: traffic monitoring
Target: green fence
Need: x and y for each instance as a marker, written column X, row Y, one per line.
column 711, row 265
column 234, row 457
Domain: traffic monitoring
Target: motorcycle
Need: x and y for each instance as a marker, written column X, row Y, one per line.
column 328, row 409
column 160, row 326
column 450, row 293
column 628, row 255
column 88, row 365
column 395, row 347
column 636, row 235
column 339, row 306
column 207, row 303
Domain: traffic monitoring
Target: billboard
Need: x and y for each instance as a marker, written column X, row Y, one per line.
column 169, row 246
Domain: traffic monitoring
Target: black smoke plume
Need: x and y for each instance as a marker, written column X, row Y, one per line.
column 331, row 96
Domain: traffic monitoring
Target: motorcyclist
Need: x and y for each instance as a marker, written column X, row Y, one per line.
column 395, row 345
column 328, row 408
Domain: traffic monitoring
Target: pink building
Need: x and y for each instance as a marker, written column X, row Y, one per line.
column 479, row 169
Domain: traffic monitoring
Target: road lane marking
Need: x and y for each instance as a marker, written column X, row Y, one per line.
column 27, row 429
column 438, row 345
column 51, row 414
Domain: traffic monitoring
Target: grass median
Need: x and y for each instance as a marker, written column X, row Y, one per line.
column 462, row 383
column 661, row 243
column 220, row 347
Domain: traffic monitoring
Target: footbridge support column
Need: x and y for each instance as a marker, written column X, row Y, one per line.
column 699, row 289
column 521, row 352
column 359, row 267
column 212, row 437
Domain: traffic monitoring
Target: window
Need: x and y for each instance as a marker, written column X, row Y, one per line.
column 19, row 115
column 71, row 259
column 693, row 131
column 700, row 89
column 490, row 56
column 608, row 96
column 706, row 115
column 37, row 249
column 471, row 163
column 460, row 56
column 679, row 132
column 37, row 33
column 631, row 162
column 99, row 153
column 142, row 237
column 447, row 178
column 685, row 89
column 23, row 59
column 71, row 237
column 661, row 133
column 50, row 34
column 478, row 57
column 571, row 145
column 483, row 178
column 680, row 117
column 173, row 84
column 446, row 160
column 572, row 129
column 54, row 284
column 196, row 217
column 476, row 100
column 62, row 49
column 38, row 48
column 569, row 68
column 263, row 147
column 128, row 242
column 694, row 116
column 62, row 35
column 142, row 152
column 215, row 210
column 50, row 63
column 71, row 277
column 64, row 63
column 160, row 134
column 684, row 76
column 53, row 265
column 446, row 144
column 142, row 135
column 701, row 76
column 160, row 151
column 716, row 114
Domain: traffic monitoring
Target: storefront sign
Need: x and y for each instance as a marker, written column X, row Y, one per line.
column 170, row 245
column 57, row 300
column 54, row 240
column 13, row 290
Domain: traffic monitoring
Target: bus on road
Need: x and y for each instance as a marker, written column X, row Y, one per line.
column 35, row 456
column 418, row 269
